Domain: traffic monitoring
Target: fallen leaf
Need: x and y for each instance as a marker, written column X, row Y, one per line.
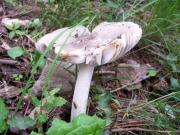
column 11, row 22
column 9, row 91
column 133, row 74
column 5, row 46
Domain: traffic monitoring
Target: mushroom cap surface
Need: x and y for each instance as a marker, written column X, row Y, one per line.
column 107, row 42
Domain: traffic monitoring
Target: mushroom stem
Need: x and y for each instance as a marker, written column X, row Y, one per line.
column 81, row 91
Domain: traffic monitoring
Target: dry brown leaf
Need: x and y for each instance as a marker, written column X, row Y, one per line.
column 60, row 79
column 161, row 85
column 5, row 46
column 133, row 74
column 9, row 91
column 10, row 21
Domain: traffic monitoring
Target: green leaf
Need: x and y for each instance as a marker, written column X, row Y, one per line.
column 15, row 52
column 11, row 2
column 42, row 118
column 3, row 110
column 42, row 63
column 104, row 99
column 3, row 125
column 51, row 1
column 54, row 91
column 35, row 101
column 171, row 58
column 3, row 115
column 169, row 111
column 174, row 67
column 112, row 4
column 21, row 122
column 36, row 23
column 53, row 102
column 16, row 26
column 174, row 82
column 9, row 27
column 58, row 101
column 34, row 133
column 12, row 34
column 18, row 32
column 81, row 125
column 152, row 72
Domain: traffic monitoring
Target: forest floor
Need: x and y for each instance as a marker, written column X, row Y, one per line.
column 137, row 94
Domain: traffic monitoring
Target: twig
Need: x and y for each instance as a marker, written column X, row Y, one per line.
column 135, row 51
column 125, row 65
column 27, row 108
column 124, row 86
column 16, row 15
column 106, row 72
column 30, row 39
column 130, row 125
column 9, row 62
column 142, row 129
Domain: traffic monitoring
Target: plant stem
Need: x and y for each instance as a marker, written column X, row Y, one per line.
column 81, row 92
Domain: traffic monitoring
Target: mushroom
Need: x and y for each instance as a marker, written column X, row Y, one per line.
column 106, row 43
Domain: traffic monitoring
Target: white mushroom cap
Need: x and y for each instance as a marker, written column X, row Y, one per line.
column 120, row 37
column 67, row 38
column 106, row 43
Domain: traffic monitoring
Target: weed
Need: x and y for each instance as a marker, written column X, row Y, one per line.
column 14, row 30
column 17, row 77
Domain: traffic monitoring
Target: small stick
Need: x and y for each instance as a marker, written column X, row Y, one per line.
column 142, row 129
column 27, row 108
column 30, row 39
column 133, row 83
column 106, row 72
column 16, row 15
column 9, row 62
column 124, row 65
column 130, row 125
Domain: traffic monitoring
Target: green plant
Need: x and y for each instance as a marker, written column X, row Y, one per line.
column 103, row 100
column 14, row 30
column 34, row 57
column 15, row 52
column 33, row 28
column 11, row 2
column 46, row 104
column 21, row 122
column 152, row 72
column 81, row 125
column 3, row 116
column 16, row 122
column 17, row 77
column 163, row 30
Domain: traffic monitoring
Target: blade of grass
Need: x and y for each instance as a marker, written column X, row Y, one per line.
column 138, row 9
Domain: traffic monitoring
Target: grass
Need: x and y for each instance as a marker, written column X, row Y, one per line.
column 162, row 31
column 161, row 25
